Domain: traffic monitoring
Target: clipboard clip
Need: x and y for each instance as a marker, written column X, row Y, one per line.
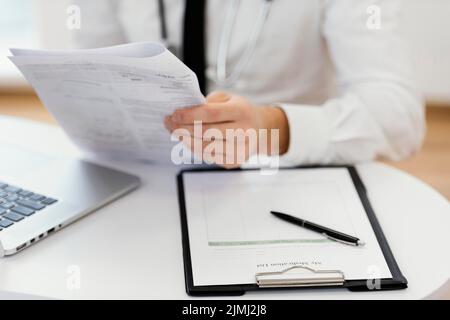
column 299, row 276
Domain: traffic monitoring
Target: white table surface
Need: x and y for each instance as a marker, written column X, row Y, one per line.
column 132, row 248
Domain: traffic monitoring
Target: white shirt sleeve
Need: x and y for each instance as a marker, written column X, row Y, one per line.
column 100, row 25
column 378, row 113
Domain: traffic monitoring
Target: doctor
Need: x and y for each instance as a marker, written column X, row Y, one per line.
column 333, row 76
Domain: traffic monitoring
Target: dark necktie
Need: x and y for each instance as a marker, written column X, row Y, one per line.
column 194, row 39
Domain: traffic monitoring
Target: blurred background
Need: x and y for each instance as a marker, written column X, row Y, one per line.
column 424, row 23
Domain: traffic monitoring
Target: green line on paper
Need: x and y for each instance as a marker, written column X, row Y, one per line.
column 262, row 242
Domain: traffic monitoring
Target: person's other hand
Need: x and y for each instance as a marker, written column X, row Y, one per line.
column 225, row 114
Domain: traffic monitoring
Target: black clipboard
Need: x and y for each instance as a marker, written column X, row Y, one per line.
column 398, row 281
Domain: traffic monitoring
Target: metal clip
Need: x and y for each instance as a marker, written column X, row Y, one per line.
column 286, row 278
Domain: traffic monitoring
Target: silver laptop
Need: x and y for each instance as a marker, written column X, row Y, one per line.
column 40, row 194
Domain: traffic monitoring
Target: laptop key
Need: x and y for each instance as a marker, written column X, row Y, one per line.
column 5, row 223
column 3, row 194
column 48, row 201
column 36, row 197
column 2, row 211
column 13, row 216
column 7, row 205
column 12, row 189
column 22, row 210
column 25, row 193
column 12, row 198
column 30, row 204
column 3, row 185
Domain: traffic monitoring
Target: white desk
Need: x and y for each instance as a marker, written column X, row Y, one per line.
column 132, row 248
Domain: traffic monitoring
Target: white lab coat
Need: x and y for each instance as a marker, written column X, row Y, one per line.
column 347, row 89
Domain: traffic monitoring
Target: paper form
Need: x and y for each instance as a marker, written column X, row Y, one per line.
column 232, row 234
column 112, row 101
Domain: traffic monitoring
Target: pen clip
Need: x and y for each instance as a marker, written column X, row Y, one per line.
column 358, row 243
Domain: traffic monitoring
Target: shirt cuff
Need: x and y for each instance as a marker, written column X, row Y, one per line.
column 309, row 134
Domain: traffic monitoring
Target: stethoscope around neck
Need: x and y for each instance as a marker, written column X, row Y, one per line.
column 223, row 77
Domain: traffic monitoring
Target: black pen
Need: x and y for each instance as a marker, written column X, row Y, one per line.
column 327, row 232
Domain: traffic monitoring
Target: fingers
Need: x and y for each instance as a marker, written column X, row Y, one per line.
column 208, row 131
column 168, row 123
column 222, row 137
column 215, row 113
column 217, row 97
column 227, row 155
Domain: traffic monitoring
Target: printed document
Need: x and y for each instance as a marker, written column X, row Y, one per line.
column 112, row 101
column 233, row 235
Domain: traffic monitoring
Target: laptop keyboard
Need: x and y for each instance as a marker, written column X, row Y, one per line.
column 16, row 204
